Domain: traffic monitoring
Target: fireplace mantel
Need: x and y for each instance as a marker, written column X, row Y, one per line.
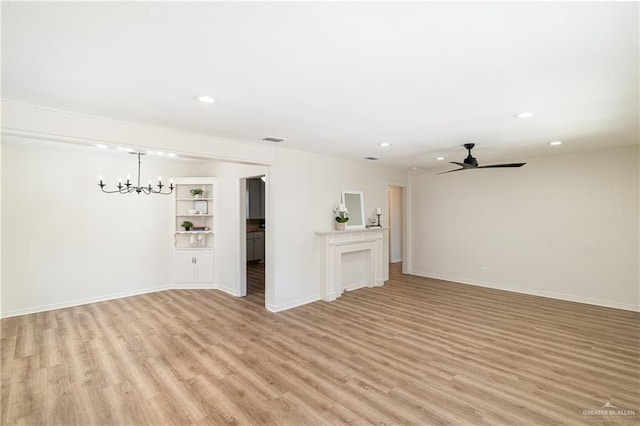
column 336, row 243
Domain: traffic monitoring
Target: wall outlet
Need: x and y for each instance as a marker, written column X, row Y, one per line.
column 485, row 270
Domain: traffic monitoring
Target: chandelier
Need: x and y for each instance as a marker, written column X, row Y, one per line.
column 127, row 187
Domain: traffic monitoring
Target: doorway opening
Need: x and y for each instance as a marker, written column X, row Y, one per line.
column 397, row 198
column 255, row 228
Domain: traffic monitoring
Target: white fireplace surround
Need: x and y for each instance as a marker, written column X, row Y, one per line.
column 335, row 244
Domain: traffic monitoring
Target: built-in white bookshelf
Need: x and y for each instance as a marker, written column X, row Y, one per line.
column 193, row 249
column 197, row 210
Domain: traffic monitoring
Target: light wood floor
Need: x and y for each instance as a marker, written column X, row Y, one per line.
column 416, row 351
column 255, row 283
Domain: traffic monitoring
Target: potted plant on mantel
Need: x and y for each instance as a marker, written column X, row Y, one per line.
column 342, row 216
column 197, row 192
column 187, row 225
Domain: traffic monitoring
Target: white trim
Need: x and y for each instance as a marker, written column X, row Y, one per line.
column 242, row 232
column 406, row 224
column 351, row 231
column 193, row 286
column 294, row 304
column 199, row 180
column 269, row 244
column 532, row 292
column 337, row 243
column 241, row 290
column 22, row 120
column 406, row 234
column 78, row 302
column 231, row 291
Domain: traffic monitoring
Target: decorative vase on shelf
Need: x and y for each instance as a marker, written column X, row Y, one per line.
column 341, row 216
column 197, row 192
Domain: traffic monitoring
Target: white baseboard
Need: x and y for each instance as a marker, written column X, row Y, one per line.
column 206, row 286
column 355, row 286
column 86, row 301
column 532, row 292
column 78, row 302
column 294, row 304
column 231, row 291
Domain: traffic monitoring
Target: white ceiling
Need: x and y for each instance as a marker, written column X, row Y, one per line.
column 339, row 78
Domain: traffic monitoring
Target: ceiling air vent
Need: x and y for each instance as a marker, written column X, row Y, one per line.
column 272, row 139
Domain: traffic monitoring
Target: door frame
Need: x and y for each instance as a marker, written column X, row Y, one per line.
column 242, row 235
column 406, row 223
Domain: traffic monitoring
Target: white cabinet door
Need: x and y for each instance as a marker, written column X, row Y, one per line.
column 253, row 187
column 250, row 253
column 258, row 246
column 203, row 267
column 193, row 267
column 184, row 264
column 256, row 198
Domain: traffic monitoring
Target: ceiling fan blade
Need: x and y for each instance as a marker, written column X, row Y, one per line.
column 470, row 163
column 496, row 166
column 464, row 165
column 449, row 171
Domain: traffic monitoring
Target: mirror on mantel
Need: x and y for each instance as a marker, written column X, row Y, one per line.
column 353, row 201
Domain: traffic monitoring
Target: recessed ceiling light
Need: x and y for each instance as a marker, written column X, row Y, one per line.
column 524, row 115
column 151, row 152
column 439, row 158
column 160, row 153
column 371, row 158
column 171, row 154
column 413, row 168
column 555, row 143
column 120, row 148
column 384, row 144
column 101, row 146
column 205, row 99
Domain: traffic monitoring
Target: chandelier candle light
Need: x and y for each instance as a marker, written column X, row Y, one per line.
column 128, row 188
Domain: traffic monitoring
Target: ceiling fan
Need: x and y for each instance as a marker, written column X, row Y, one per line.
column 470, row 163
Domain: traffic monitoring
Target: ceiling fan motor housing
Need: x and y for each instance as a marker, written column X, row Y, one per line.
column 471, row 160
column 470, row 163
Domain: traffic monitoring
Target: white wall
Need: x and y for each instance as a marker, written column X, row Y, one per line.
column 65, row 242
column 395, row 224
column 230, row 222
column 301, row 192
column 564, row 226
column 304, row 187
column 1, row 149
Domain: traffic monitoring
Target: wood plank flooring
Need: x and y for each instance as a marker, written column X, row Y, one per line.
column 415, row 351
